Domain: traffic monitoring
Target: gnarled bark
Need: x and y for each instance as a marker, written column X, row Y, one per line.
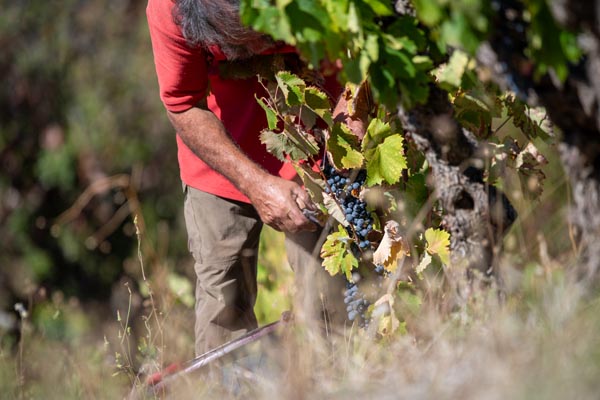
column 573, row 105
column 475, row 214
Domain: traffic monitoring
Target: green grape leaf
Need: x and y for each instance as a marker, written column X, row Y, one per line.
column 430, row 12
column 270, row 113
column 354, row 24
column 387, row 162
column 280, row 146
column 336, row 254
column 438, row 243
column 377, row 131
column 458, row 32
column 372, row 47
column 318, row 102
column 292, row 88
column 550, row 45
column 342, row 146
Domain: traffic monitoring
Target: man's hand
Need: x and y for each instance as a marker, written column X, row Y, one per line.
column 279, row 204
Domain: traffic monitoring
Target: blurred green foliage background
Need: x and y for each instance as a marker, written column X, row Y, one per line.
column 84, row 146
column 79, row 105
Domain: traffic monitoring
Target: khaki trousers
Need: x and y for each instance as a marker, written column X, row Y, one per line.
column 223, row 238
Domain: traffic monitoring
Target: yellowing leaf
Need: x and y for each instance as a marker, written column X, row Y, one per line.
column 388, row 323
column 391, row 247
column 336, row 254
column 438, row 243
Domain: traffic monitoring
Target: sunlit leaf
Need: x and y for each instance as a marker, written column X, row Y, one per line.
column 377, row 131
column 391, row 247
column 380, row 7
column 387, row 162
column 450, row 75
column 438, row 243
column 532, row 122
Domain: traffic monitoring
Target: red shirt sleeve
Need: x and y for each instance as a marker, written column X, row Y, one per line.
column 181, row 69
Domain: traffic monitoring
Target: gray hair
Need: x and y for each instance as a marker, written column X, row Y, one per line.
column 206, row 23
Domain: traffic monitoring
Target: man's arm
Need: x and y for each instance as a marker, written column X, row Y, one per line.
column 277, row 201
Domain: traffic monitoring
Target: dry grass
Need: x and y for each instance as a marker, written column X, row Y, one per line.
column 541, row 343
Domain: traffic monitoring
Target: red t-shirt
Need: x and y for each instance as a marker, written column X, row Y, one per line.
column 184, row 78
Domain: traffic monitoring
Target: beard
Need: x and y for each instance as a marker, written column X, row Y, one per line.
column 207, row 23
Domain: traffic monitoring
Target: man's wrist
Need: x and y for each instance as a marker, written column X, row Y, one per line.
column 251, row 180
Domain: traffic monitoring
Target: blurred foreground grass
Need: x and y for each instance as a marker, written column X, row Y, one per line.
column 542, row 342
column 543, row 345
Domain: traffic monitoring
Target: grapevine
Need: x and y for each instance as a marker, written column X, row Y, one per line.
column 373, row 185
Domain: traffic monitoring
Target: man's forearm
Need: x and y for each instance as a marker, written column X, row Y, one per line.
column 206, row 136
column 278, row 202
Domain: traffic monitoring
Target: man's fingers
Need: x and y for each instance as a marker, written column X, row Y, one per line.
column 303, row 200
column 298, row 222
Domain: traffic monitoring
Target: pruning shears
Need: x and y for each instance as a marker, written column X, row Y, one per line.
column 159, row 381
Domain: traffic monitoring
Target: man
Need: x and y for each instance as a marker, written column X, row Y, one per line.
column 232, row 185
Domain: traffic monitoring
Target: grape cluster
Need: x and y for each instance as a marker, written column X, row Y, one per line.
column 346, row 191
column 356, row 305
column 355, row 210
